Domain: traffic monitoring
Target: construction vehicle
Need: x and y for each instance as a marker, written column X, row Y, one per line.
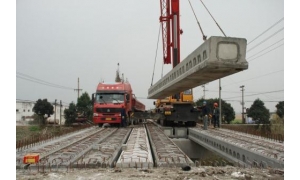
column 111, row 98
column 108, row 101
column 177, row 110
column 216, row 58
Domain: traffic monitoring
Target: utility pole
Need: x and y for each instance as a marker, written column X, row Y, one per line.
column 243, row 118
column 78, row 90
column 203, row 91
column 54, row 112
column 220, row 104
column 60, row 113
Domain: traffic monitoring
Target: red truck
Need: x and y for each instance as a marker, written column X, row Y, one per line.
column 108, row 101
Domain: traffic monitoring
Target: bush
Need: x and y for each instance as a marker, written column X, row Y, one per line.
column 236, row 121
column 34, row 128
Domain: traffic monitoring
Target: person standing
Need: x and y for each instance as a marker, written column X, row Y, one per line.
column 205, row 113
column 216, row 115
column 123, row 117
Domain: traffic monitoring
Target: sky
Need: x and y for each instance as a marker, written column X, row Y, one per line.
column 59, row 42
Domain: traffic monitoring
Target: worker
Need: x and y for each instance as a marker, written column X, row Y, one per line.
column 205, row 113
column 216, row 115
column 123, row 117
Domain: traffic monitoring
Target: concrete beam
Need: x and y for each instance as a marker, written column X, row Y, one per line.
column 237, row 152
column 216, row 58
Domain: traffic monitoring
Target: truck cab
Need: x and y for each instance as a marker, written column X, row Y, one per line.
column 108, row 101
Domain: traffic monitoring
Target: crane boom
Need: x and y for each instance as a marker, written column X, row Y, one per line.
column 176, row 108
column 169, row 19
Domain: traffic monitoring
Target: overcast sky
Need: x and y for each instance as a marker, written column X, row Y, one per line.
column 59, row 41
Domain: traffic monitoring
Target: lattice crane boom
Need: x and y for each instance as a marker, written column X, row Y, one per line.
column 169, row 19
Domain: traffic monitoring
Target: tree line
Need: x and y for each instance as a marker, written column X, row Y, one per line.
column 83, row 108
column 257, row 111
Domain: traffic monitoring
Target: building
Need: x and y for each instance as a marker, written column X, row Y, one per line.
column 24, row 112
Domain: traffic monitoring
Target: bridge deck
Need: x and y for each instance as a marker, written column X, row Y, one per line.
column 239, row 147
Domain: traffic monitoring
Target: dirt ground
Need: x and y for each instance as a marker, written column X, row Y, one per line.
column 204, row 172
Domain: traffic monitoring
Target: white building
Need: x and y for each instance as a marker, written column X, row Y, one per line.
column 24, row 112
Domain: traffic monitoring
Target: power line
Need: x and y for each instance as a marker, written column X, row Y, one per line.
column 39, row 81
column 35, row 101
column 266, row 52
column 265, row 31
column 266, row 39
column 249, row 101
column 254, row 77
column 264, row 49
column 256, row 94
column 235, row 92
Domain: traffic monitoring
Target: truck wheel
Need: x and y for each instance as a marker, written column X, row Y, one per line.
column 100, row 124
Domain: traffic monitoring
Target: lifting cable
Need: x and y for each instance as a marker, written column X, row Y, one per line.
column 213, row 19
column 204, row 37
column 162, row 69
column 155, row 54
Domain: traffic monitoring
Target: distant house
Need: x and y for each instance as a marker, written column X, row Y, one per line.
column 249, row 120
column 24, row 112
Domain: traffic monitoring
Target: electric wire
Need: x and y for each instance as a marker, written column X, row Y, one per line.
column 264, row 49
column 42, row 83
column 265, row 53
column 253, row 78
column 248, row 101
column 255, row 94
column 39, row 81
column 23, row 100
column 266, row 39
column 233, row 92
column 265, row 31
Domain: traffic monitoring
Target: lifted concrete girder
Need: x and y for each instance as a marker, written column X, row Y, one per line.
column 216, row 58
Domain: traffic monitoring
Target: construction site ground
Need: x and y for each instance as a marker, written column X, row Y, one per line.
column 201, row 172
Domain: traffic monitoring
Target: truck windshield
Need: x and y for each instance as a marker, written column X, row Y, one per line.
column 109, row 98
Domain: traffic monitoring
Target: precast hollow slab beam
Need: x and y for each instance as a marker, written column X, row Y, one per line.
column 244, row 153
column 216, row 58
column 136, row 152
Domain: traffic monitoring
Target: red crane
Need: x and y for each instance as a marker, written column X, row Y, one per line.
column 171, row 31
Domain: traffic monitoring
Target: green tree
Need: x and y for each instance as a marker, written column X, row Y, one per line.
column 42, row 108
column 280, row 109
column 259, row 112
column 228, row 113
column 84, row 106
column 70, row 114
